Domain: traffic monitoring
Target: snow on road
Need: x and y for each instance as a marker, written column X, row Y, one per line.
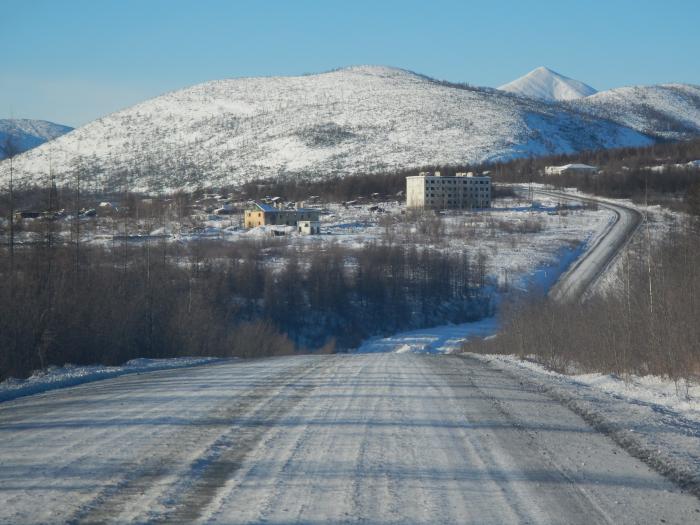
column 601, row 253
column 70, row 375
column 654, row 418
column 378, row 438
column 445, row 339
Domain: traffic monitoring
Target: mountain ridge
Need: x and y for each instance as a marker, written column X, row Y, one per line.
column 362, row 119
column 545, row 84
column 26, row 134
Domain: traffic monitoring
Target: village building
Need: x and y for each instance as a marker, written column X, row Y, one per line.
column 568, row 169
column 269, row 215
column 309, row 227
column 463, row 191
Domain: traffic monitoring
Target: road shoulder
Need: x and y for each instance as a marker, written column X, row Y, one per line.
column 664, row 439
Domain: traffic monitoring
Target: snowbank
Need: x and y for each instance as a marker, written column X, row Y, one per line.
column 70, row 375
column 445, row 339
column 647, row 416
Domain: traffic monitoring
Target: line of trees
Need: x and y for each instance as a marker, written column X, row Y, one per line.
column 648, row 324
column 84, row 304
column 624, row 173
column 623, row 177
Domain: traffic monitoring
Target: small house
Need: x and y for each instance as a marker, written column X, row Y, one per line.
column 309, row 227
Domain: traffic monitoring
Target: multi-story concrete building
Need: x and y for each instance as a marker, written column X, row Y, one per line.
column 464, row 191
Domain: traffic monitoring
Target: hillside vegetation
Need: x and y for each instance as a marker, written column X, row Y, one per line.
column 350, row 121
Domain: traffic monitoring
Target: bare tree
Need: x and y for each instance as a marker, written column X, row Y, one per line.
column 11, row 150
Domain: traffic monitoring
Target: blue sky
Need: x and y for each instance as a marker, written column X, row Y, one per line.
column 71, row 61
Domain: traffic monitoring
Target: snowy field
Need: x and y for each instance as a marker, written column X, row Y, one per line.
column 524, row 243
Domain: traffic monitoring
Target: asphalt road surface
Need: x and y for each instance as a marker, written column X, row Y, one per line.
column 369, row 438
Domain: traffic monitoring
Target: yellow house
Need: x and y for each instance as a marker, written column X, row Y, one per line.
column 266, row 215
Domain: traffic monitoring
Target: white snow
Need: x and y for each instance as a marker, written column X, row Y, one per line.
column 356, row 120
column 372, row 438
column 70, row 375
column 680, row 396
column 446, row 339
column 544, row 84
column 671, row 111
column 26, row 134
column 653, row 418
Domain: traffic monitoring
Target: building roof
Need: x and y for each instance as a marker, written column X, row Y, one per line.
column 428, row 176
column 575, row 166
column 268, row 208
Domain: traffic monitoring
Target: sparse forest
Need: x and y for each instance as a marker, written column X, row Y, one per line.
column 88, row 304
column 625, row 174
column 649, row 324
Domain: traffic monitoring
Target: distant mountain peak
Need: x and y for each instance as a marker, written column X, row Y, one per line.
column 26, row 134
column 543, row 83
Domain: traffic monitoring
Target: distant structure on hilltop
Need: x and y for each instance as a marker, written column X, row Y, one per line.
column 463, row 191
column 570, row 169
column 306, row 220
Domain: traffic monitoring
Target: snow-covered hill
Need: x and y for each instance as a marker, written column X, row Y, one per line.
column 358, row 119
column 544, row 84
column 26, row 134
column 670, row 111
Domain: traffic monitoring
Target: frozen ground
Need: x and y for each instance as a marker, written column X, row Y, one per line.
column 524, row 243
column 70, row 375
column 371, row 438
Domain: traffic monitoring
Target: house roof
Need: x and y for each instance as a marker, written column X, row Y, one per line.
column 268, row 208
column 578, row 167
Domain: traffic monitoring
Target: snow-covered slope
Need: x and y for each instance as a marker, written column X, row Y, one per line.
column 358, row 119
column 544, row 84
column 670, row 111
column 26, row 134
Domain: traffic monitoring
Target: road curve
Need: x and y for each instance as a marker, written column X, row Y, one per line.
column 578, row 279
column 378, row 438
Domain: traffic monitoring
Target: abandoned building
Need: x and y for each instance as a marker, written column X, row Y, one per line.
column 269, row 215
column 463, row 191
column 309, row 227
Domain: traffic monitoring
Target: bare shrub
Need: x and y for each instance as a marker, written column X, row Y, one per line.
column 259, row 339
column 648, row 325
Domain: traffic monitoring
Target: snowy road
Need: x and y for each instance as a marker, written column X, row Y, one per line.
column 373, row 438
column 584, row 272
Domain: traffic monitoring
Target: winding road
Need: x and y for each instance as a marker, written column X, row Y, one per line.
column 364, row 438
column 575, row 282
